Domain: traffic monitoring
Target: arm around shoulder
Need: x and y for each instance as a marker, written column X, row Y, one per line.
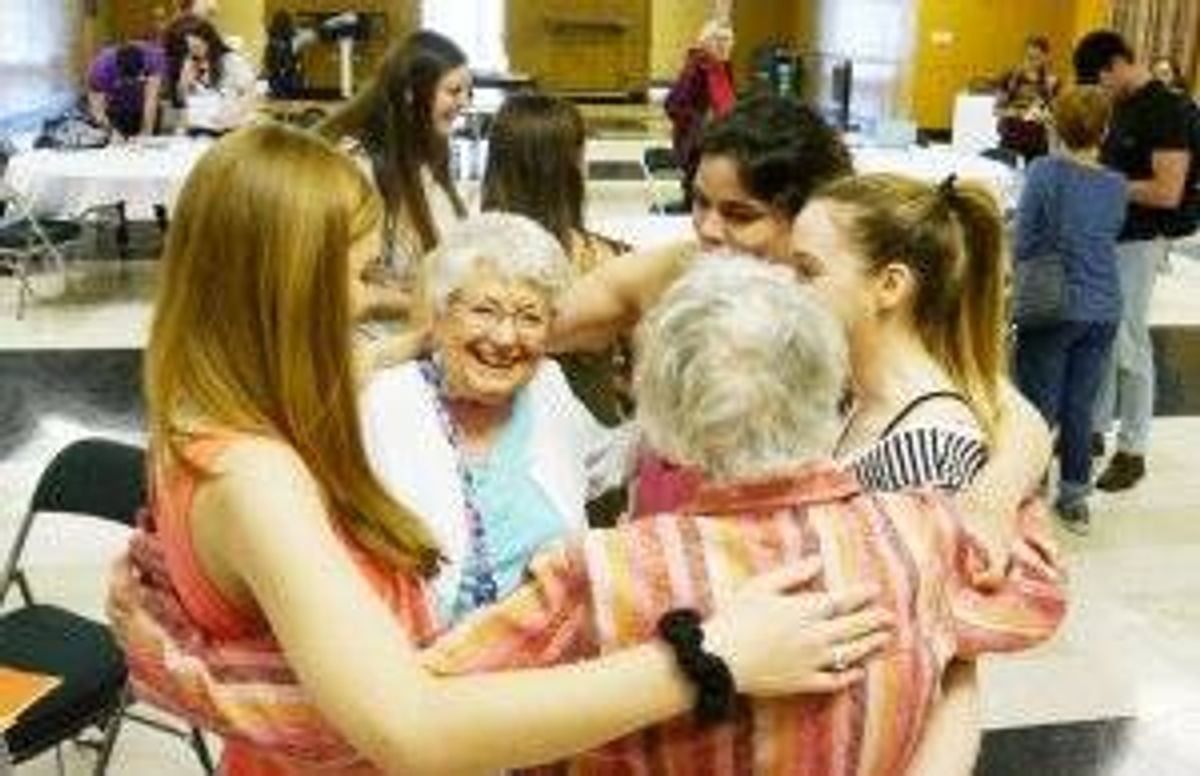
column 383, row 701
column 613, row 297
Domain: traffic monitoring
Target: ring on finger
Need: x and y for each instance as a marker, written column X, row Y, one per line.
column 839, row 662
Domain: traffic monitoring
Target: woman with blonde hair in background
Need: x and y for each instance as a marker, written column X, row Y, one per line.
column 704, row 91
column 254, row 437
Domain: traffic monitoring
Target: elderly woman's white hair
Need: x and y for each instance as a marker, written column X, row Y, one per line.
column 715, row 28
column 740, row 370
column 514, row 247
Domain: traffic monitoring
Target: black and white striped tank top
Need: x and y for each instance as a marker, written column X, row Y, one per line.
column 943, row 457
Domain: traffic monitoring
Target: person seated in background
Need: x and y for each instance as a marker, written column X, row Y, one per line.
column 187, row 12
column 536, row 167
column 483, row 437
column 214, row 85
column 703, row 91
column 123, row 88
column 1023, row 102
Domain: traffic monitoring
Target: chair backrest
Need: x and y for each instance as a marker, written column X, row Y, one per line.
column 7, row 151
column 658, row 158
column 13, row 204
column 97, row 477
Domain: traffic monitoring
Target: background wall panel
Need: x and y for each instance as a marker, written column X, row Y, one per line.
column 673, row 28
column 959, row 40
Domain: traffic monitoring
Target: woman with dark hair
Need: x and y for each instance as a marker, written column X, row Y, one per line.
column 1023, row 103
column 214, row 83
column 535, row 167
column 401, row 124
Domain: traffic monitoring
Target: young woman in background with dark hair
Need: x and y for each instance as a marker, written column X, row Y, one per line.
column 401, row 123
column 1023, row 102
column 536, row 167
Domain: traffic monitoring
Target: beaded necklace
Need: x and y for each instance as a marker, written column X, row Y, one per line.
column 479, row 579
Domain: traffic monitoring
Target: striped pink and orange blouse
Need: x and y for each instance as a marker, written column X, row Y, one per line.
column 608, row 592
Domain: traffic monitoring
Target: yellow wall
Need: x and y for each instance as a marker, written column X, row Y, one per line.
column 959, row 40
column 244, row 19
column 1091, row 15
column 756, row 22
column 674, row 25
column 673, row 28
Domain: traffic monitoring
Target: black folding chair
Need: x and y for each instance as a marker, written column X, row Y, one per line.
column 104, row 480
column 660, row 167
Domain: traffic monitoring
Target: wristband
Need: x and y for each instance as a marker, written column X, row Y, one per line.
column 715, row 688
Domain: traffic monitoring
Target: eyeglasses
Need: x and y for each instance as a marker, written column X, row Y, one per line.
column 486, row 315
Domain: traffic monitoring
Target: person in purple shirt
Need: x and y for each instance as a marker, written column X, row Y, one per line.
column 123, row 87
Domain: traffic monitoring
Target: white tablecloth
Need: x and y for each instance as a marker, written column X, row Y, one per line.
column 974, row 127
column 645, row 231
column 141, row 174
column 934, row 163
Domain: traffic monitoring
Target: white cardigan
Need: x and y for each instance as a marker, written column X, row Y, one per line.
column 573, row 456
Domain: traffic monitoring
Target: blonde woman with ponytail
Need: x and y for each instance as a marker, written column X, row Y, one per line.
column 273, row 530
column 916, row 273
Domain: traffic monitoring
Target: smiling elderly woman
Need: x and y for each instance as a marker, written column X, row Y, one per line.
column 484, row 438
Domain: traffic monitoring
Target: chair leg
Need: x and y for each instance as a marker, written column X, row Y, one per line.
column 201, row 750
column 122, row 233
column 58, row 760
column 112, row 728
column 24, row 288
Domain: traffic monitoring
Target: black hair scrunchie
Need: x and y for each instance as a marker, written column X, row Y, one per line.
column 715, row 688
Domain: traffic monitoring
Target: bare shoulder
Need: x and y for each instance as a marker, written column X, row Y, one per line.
column 947, row 414
column 254, row 479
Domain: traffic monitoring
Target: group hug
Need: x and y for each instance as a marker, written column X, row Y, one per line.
column 378, row 424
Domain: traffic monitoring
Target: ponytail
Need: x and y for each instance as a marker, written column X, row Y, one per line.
column 973, row 345
column 951, row 236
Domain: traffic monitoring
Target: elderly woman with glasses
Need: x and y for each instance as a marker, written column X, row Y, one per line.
column 484, row 437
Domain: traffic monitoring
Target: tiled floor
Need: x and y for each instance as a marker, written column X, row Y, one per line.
column 1117, row 692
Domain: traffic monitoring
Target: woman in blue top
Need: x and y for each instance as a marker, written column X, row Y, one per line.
column 1072, row 209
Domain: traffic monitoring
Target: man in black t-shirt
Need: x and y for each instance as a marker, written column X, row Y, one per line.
column 1148, row 142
